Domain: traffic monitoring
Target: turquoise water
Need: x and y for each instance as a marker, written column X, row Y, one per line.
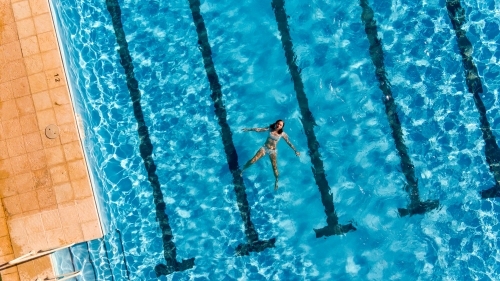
column 440, row 123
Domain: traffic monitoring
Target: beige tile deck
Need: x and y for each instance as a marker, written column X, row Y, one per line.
column 46, row 197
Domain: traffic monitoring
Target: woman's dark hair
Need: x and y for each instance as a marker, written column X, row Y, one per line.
column 273, row 126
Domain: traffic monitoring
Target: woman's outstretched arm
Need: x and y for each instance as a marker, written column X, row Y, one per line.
column 255, row 129
column 285, row 136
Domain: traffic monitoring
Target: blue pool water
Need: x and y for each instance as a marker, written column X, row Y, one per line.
column 438, row 118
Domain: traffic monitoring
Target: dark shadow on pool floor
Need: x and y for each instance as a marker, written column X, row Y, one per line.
column 475, row 87
column 416, row 206
column 146, row 149
column 333, row 227
column 253, row 243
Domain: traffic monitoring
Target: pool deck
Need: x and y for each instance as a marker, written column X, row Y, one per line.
column 46, row 197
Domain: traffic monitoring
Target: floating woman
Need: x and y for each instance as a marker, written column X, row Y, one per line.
column 275, row 133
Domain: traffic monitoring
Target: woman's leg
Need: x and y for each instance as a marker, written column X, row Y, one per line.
column 261, row 152
column 272, row 156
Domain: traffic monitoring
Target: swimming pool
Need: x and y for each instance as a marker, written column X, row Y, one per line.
column 164, row 90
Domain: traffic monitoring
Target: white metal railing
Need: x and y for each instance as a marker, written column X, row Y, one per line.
column 31, row 256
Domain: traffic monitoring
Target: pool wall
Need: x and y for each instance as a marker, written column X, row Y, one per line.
column 82, row 112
